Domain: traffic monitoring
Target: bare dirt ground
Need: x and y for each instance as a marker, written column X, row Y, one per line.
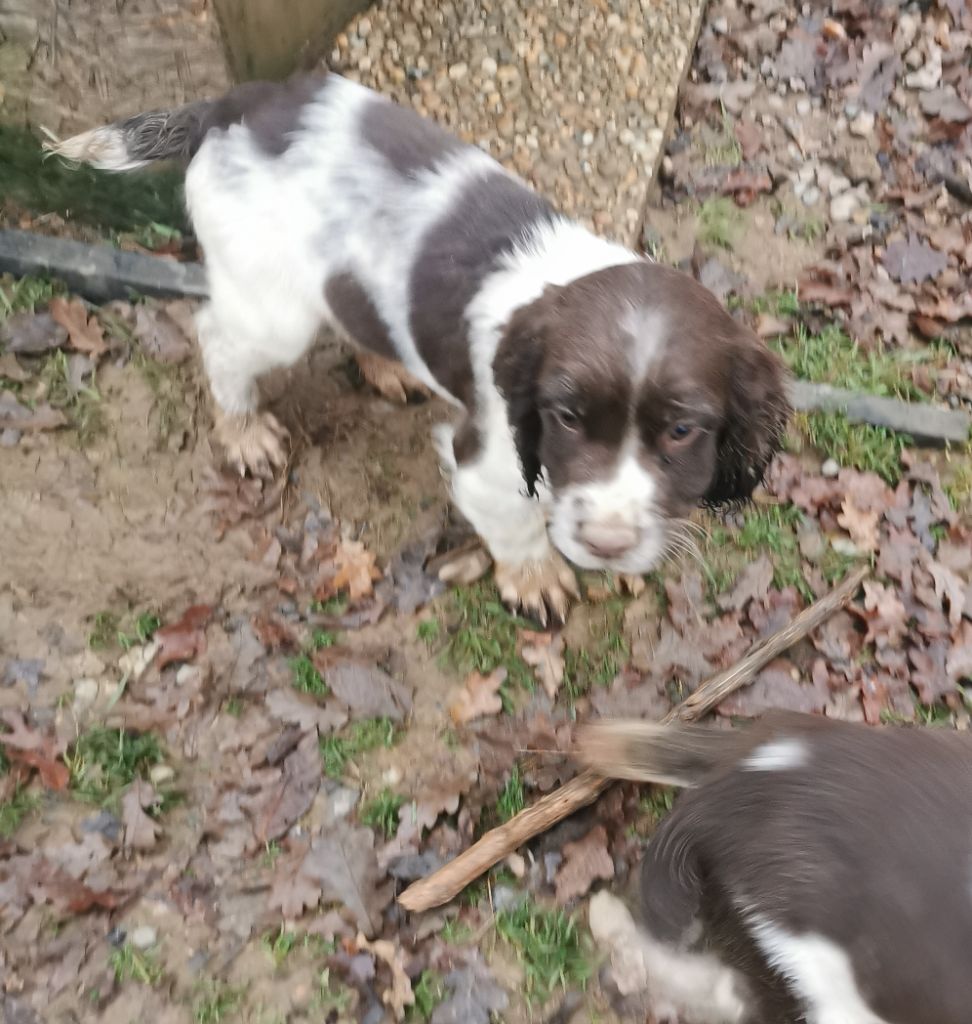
column 237, row 719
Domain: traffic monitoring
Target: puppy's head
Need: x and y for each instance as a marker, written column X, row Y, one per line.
column 637, row 397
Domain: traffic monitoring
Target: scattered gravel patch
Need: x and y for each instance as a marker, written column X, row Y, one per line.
column 574, row 96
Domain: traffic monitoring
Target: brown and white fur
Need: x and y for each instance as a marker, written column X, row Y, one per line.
column 816, row 871
column 618, row 392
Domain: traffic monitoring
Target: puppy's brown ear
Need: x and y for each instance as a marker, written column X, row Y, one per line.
column 516, row 371
column 756, row 416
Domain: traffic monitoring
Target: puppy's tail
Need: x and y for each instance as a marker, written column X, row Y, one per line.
column 669, row 755
column 139, row 140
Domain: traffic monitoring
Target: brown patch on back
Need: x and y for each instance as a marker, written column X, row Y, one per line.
column 488, row 218
column 357, row 314
column 409, row 142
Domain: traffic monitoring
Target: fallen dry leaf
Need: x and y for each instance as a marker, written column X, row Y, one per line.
column 959, row 663
column 30, row 748
column 778, row 686
column 544, row 652
column 290, row 706
column 345, row 865
column 291, row 799
column 292, row 892
column 478, row 696
column 753, row 581
column 950, row 589
column 272, row 631
column 14, row 415
column 585, row 861
column 85, row 333
column 885, row 615
column 400, row 995
column 185, row 639
column 355, row 572
column 141, row 832
column 160, row 336
column 32, row 333
column 913, row 260
column 367, row 691
column 474, row 997
column 862, row 526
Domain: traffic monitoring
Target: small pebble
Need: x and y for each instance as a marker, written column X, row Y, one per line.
column 862, row 125
column 85, row 692
column 843, row 207
column 144, row 937
column 458, row 71
column 160, row 774
column 830, row 469
column 803, row 106
column 811, row 196
column 720, row 25
column 837, row 184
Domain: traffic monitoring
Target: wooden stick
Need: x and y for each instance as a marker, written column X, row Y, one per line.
column 442, row 885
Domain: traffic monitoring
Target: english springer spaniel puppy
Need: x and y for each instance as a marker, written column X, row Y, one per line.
column 818, row 871
column 618, row 392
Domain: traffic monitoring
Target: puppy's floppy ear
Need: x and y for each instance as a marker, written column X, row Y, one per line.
column 516, row 371
column 755, row 421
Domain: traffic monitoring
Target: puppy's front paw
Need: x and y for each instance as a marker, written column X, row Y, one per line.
column 390, row 379
column 256, row 443
column 543, row 589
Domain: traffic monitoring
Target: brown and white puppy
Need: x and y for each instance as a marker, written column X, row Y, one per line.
column 618, row 392
column 817, row 871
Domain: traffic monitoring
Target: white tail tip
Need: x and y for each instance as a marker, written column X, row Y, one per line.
column 103, row 148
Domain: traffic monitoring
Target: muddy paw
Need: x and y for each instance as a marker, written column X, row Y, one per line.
column 390, row 379
column 256, row 443
column 542, row 589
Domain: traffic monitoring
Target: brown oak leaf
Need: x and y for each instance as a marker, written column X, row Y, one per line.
column 400, row 994
column 25, row 746
column 140, row 830
column 478, row 696
column 862, row 526
column 84, row 334
column 355, row 572
column 544, row 652
column 185, row 639
column 585, row 861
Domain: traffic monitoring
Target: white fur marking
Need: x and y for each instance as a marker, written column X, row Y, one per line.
column 819, row 971
column 777, row 756
column 647, row 328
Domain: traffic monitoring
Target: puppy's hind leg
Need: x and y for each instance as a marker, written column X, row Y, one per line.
column 252, row 440
column 390, row 379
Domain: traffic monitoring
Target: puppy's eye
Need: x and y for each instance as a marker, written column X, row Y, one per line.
column 567, row 416
column 678, row 436
column 680, row 432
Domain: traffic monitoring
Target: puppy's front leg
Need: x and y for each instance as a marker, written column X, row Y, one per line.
column 488, row 490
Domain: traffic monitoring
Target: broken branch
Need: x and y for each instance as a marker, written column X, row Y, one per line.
column 442, row 885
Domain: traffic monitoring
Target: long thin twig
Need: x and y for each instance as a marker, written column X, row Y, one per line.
column 442, row 885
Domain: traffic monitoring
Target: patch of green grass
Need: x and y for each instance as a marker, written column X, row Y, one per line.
column 234, row 706
column 306, row 678
column 146, row 625
column 216, row 1002
column 168, row 395
column 81, row 405
column 25, row 294
column 104, row 761
column 428, row 631
column 772, row 529
column 456, row 932
column 337, row 605
column 360, row 737
column 724, row 150
column 512, row 798
column 14, row 809
column 549, row 944
column 957, row 484
column 831, row 357
column 603, row 655
column 485, row 636
column 280, row 945
column 271, row 851
column 110, row 201
column 718, row 221
column 131, row 964
column 859, row 445
column 429, row 992
column 322, row 638
column 656, row 803
column 381, row 812
column 104, row 630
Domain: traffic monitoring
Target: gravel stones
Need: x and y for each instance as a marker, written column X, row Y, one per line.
column 575, row 98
